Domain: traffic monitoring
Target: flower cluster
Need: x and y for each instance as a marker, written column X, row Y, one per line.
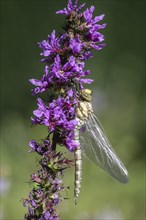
column 46, row 184
column 64, row 59
column 65, row 55
column 64, row 77
column 60, row 75
column 59, row 117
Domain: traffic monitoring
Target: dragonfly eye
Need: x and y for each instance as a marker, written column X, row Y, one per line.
column 86, row 95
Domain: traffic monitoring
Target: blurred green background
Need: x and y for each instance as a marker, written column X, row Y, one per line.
column 119, row 88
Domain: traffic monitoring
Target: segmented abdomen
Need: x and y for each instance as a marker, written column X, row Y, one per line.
column 78, row 167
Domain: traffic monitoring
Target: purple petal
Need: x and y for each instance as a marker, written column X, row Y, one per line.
column 99, row 18
column 35, row 82
column 38, row 113
column 81, row 6
column 71, row 144
column 47, row 215
column 98, row 47
column 46, row 53
column 88, row 81
column 62, row 12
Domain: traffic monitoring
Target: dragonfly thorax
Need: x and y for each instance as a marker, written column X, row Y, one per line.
column 83, row 110
column 84, row 106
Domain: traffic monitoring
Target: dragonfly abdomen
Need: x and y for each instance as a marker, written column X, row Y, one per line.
column 78, row 167
column 82, row 115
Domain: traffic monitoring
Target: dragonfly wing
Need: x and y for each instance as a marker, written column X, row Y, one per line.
column 96, row 147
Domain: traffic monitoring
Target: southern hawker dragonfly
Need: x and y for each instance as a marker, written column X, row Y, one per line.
column 93, row 143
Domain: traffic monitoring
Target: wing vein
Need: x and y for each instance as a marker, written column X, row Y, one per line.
column 96, row 147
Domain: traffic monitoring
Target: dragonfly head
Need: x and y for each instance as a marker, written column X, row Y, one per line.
column 86, row 95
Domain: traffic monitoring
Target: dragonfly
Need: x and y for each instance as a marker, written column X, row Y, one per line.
column 94, row 144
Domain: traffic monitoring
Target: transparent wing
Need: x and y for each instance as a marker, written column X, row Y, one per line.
column 96, row 147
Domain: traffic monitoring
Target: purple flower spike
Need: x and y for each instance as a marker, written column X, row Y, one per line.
column 58, row 94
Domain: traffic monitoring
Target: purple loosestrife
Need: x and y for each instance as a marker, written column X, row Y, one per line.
column 64, row 75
